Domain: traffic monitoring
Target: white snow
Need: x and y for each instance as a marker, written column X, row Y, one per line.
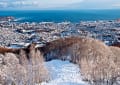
column 63, row 73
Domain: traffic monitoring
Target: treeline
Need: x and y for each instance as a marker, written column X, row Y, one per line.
column 99, row 64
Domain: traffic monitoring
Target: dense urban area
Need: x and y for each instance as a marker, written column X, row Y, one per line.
column 20, row 34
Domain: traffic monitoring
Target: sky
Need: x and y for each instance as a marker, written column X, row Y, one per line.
column 59, row 4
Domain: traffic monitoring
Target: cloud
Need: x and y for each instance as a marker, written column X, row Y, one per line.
column 36, row 3
column 116, row 5
column 59, row 4
column 24, row 3
column 3, row 4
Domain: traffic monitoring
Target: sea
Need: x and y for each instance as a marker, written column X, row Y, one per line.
column 61, row 15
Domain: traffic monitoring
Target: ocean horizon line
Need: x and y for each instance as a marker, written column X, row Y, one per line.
column 62, row 15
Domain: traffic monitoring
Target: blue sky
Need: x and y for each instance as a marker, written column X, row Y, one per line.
column 59, row 4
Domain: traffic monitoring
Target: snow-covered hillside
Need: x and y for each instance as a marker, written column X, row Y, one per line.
column 63, row 73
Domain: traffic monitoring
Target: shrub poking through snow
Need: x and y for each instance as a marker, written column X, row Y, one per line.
column 11, row 72
column 25, row 67
column 116, row 51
